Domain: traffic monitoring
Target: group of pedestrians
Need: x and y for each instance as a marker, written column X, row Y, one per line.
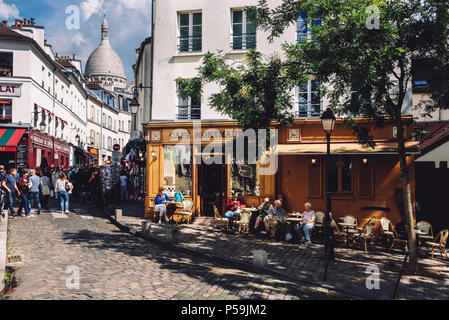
column 33, row 186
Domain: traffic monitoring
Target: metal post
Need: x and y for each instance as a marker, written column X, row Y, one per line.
column 328, row 227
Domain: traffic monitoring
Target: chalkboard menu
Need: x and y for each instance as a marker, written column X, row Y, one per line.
column 22, row 155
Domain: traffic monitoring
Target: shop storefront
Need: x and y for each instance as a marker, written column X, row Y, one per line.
column 47, row 151
column 13, row 151
column 195, row 161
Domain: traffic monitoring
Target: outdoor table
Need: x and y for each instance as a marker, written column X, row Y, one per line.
column 171, row 208
column 347, row 226
column 295, row 214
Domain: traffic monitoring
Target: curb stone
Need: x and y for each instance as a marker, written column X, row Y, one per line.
column 233, row 262
column 3, row 249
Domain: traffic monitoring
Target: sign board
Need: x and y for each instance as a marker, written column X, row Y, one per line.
column 10, row 89
column 116, row 147
column 116, row 156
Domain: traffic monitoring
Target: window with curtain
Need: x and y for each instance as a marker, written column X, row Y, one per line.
column 178, row 168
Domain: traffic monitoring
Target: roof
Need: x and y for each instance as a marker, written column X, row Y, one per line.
column 65, row 63
column 6, row 32
column 438, row 134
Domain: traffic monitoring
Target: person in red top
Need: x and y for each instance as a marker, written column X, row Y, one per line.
column 24, row 187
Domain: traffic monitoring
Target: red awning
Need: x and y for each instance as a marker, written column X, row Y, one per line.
column 10, row 137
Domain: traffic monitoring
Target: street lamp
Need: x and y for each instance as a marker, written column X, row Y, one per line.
column 328, row 122
column 134, row 105
column 42, row 125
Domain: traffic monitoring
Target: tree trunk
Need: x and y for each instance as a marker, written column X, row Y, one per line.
column 413, row 260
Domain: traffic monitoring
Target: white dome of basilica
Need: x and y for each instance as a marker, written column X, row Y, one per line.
column 104, row 64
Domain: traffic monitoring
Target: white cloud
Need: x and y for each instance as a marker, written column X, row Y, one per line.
column 8, row 10
column 78, row 39
column 91, row 7
column 142, row 6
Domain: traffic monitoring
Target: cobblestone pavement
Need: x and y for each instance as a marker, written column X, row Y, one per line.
column 348, row 273
column 116, row 265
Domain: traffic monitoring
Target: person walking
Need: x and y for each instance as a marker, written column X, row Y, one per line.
column 46, row 189
column 10, row 185
column 24, row 185
column 2, row 190
column 124, row 186
column 36, row 184
column 62, row 188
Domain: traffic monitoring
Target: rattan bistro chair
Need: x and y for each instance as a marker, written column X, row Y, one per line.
column 397, row 239
column 219, row 220
column 386, row 229
column 186, row 212
column 338, row 234
column 243, row 223
column 367, row 233
column 439, row 242
column 425, row 227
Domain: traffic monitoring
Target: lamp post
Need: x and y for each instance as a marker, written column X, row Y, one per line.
column 328, row 122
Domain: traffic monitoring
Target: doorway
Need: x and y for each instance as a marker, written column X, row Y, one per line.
column 212, row 187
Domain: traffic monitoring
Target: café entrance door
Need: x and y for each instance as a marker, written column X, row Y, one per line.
column 212, row 187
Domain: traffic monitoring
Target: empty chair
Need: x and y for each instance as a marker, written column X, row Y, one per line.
column 426, row 228
column 186, row 211
column 319, row 219
column 352, row 220
column 243, row 223
column 219, row 220
column 398, row 240
column 367, row 233
column 338, row 234
column 386, row 228
column 439, row 242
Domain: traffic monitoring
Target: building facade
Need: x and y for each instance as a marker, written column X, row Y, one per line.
column 44, row 102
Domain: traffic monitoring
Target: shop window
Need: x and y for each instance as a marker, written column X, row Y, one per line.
column 314, row 177
column 340, row 174
column 6, row 67
column 5, row 110
column 178, row 169
column 245, row 179
column 366, row 177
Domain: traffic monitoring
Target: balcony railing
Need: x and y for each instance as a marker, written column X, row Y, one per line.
column 243, row 41
column 189, row 44
column 189, row 112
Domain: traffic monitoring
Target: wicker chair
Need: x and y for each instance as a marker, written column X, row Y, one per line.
column 425, row 227
column 397, row 239
column 338, row 234
column 219, row 220
column 439, row 242
column 386, row 229
column 367, row 233
column 243, row 223
column 186, row 211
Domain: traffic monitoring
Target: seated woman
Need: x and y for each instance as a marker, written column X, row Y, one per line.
column 231, row 208
column 264, row 208
column 308, row 223
column 160, row 206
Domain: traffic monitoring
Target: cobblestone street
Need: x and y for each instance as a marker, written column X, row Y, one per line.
column 116, row 265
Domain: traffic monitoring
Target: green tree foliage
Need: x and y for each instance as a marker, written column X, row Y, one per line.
column 368, row 70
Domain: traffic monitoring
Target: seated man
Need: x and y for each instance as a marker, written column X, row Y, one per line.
column 264, row 208
column 308, row 223
column 160, row 206
column 232, row 207
column 276, row 214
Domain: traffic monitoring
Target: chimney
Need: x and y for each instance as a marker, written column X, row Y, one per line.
column 5, row 23
column 25, row 21
column 16, row 24
column 56, row 55
column 74, row 57
column 32, row 21
column 21, row 25
column 45, row 42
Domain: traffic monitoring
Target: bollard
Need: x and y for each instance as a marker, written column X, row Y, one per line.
column 118, row 214
column 146, row 227
column 171, row 234
column 260, row 258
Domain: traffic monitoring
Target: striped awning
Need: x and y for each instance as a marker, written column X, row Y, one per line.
column 10, row 137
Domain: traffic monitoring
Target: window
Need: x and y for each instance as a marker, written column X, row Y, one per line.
column 188, row 108
column 340, row 174
column 109, row 122
column 178, row 168
column 309, row 99
column 304, row 29
column 6, row 67
column 243, row 31
column 109, row 143
column 190, row 31
column 245, row 179
column 129, row 126
column 5, row 110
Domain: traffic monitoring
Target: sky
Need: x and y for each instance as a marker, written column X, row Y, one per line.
column 129, row 24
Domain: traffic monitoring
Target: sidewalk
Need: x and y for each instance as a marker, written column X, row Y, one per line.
column 3, row 249
column 348, row 274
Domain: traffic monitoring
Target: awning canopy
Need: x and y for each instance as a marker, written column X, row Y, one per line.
column 10, row 137
column 346, row 148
